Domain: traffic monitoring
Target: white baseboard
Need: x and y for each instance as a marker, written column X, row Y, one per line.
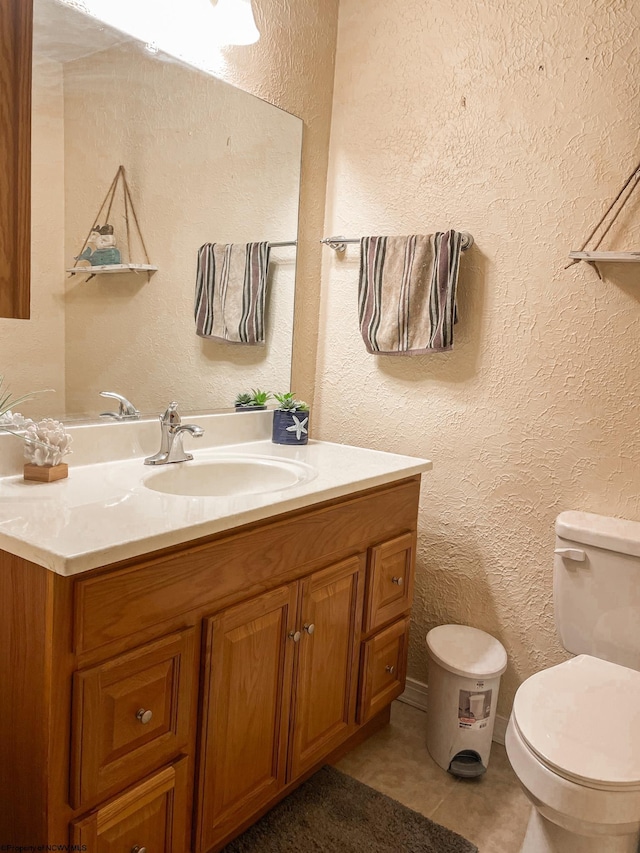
column 415, row 694
column 500, row 729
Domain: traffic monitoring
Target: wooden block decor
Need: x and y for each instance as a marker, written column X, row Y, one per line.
column 46, row 473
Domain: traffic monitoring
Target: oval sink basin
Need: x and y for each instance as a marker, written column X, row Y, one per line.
column 231, row 475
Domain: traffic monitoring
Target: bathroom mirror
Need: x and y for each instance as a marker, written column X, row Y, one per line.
column 204, row 162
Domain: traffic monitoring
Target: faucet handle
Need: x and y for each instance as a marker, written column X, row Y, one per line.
column 126, row 410
column 171, row 416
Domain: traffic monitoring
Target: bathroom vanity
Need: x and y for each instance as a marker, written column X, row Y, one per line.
column 166, row 697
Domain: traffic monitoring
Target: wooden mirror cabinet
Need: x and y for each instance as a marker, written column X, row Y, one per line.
column 16, row 22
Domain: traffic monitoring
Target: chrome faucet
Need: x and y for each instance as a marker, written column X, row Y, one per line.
column 126, row 410
column 172, row 431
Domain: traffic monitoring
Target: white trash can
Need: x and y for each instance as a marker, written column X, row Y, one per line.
column 465, row 665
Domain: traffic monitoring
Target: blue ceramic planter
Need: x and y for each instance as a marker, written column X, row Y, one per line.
column 290, row 427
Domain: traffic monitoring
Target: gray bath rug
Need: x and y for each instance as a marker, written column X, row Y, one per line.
column 334, row 813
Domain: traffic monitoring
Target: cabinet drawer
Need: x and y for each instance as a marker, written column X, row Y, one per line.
column 389, row 581
column 152, row 815
column 130, row 715
column 383, row 669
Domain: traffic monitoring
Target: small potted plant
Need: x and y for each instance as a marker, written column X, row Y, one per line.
column 290, row 420
column 252, row 402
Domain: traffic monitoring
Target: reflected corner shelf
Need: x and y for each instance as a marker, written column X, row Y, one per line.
column 112, row 268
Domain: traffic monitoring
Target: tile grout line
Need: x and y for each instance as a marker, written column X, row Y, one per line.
column 433, row 811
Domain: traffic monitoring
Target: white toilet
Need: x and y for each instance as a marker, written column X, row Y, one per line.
column 574, row 734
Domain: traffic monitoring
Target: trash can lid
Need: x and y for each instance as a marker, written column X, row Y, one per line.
column 467, row 651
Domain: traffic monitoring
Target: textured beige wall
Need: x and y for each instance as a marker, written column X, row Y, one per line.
column 516, row 122
column 32, row 352
column 206, row 162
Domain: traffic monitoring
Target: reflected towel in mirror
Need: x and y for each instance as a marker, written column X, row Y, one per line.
column 231, row 285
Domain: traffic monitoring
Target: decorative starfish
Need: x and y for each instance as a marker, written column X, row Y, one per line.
column 298, row 427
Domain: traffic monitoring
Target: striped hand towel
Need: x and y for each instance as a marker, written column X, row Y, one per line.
column 231, row 284
column 407, row 293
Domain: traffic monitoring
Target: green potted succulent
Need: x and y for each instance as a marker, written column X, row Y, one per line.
column 290, row 420
column 254, row 401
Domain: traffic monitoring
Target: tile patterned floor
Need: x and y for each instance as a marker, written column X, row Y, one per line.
column 491, row 811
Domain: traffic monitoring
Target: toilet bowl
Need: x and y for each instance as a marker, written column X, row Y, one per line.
column 573, row 737
column 579, row 766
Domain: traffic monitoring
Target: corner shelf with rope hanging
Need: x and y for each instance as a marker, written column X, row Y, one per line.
column 610, row 257
column 100, row 244
column 594, row 256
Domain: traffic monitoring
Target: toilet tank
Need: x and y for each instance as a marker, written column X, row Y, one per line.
column 597, row 598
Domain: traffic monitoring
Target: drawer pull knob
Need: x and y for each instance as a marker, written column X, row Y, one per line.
column 144, row 717
column 138, row 849
column 310, row 628
column 397, row 581
column 390, row 668
column 295, row 636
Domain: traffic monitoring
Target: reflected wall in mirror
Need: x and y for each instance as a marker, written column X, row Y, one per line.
column 206, row 162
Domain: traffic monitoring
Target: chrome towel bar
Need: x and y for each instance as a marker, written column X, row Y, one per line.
column 339, row 244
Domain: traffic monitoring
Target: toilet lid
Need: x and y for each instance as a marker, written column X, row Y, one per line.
column 582, row 719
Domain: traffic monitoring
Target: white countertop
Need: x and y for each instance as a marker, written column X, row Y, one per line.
column 104, row 513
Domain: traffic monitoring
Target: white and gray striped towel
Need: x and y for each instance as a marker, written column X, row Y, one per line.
column 407, row 293
column 231, row 285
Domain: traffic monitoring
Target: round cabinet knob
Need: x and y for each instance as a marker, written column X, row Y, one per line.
column 390, row 669
column 295, row 636
column 138, row 849
column 397, row 581
column 310, row 628
column 144, row 717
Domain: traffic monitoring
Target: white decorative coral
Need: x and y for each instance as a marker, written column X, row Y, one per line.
column 46, row 442
column 14, row 420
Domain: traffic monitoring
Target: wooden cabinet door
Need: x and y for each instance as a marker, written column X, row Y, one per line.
column 247, row 696
column 153, row 816
column 326, row 669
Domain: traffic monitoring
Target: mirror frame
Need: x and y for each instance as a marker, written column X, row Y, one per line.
column 16, row 35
